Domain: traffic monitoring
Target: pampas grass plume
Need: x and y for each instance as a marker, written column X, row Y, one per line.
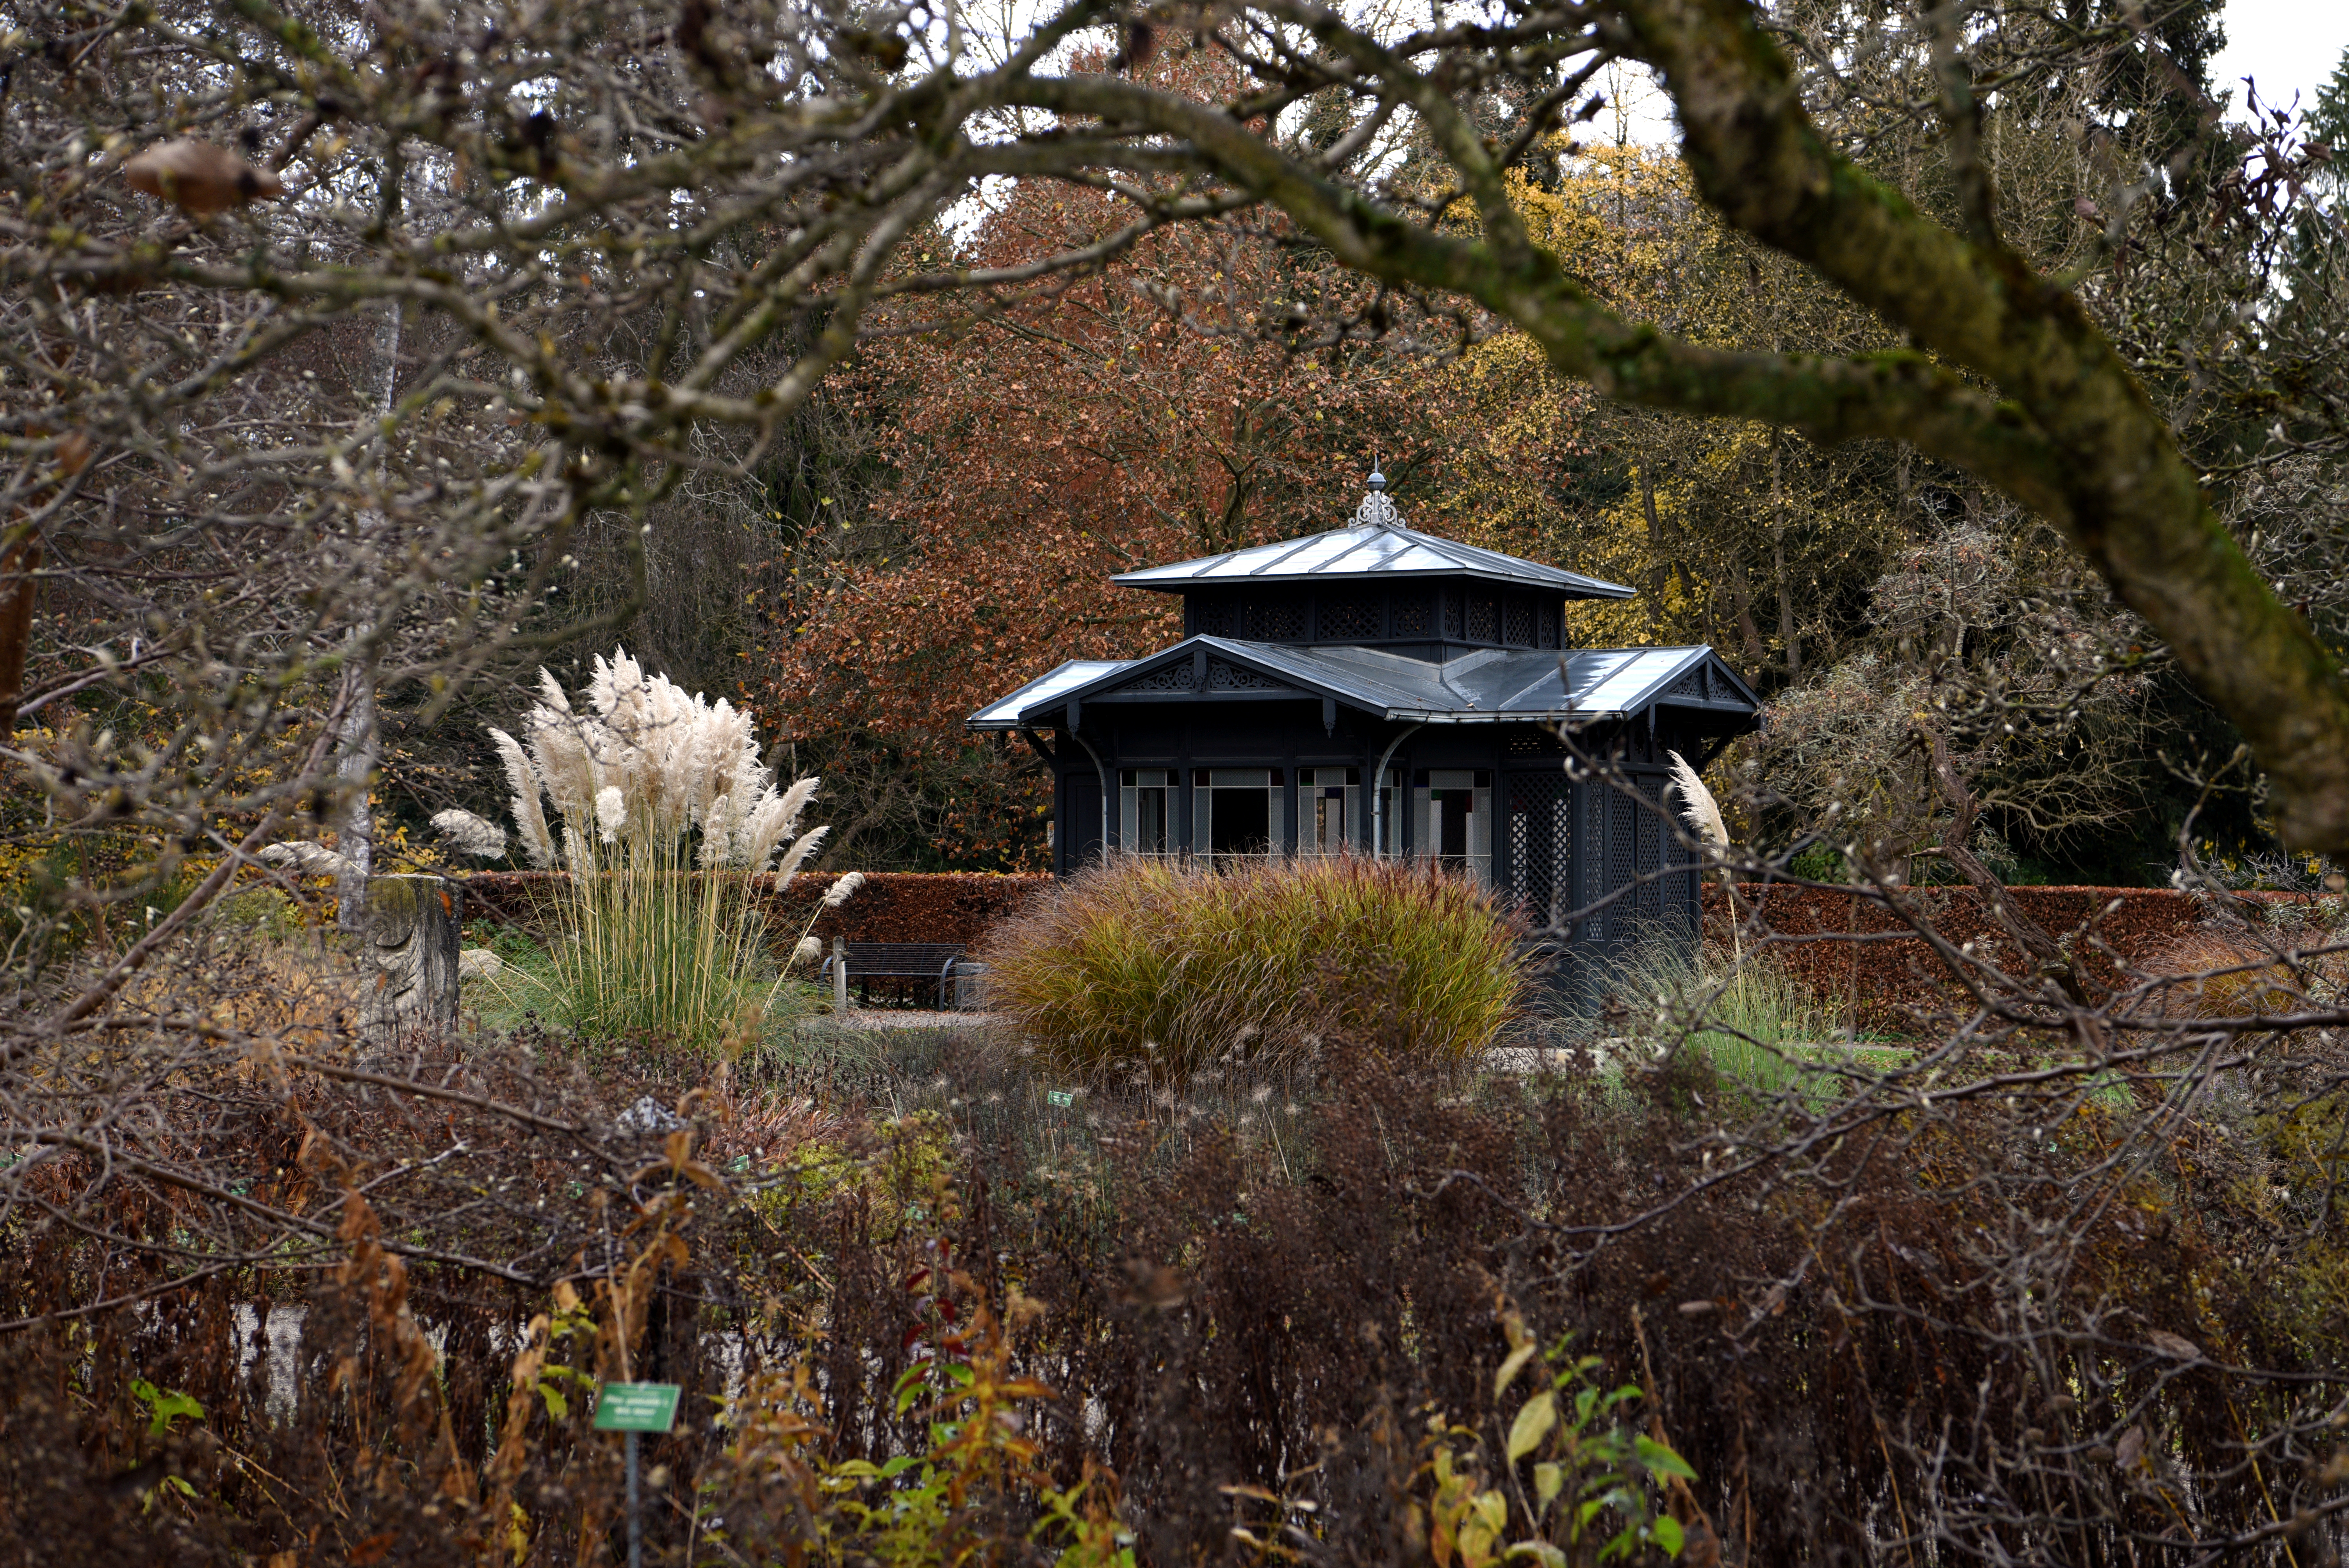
column 844, row 890
column 308, row 859
column 530, row 816
column 471, row 835
column 1698, row 808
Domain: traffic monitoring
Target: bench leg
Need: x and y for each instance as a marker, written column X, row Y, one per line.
column 839, row 977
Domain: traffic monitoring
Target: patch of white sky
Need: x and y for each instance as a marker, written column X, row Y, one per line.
column 1636, row 108
column 2287, row 49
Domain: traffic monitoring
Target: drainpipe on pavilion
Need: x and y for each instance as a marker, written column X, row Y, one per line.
column 1378, row 798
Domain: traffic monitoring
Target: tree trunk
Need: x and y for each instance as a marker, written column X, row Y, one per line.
column 19, row 583
column 360, row 745
column 1787, row 634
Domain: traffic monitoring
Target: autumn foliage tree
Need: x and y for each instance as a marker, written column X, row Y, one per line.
column 1217, row 386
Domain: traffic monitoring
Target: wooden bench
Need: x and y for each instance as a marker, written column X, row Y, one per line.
column 867, row 961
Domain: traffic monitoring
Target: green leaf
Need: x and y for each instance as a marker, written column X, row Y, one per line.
column 1667, row 1532
column 164, row 1406
column 910, row 1385
column 898, row 1466
column 1548, row 1481
column 1661, row 1460
column 1532, row 1425
column 1541, row 1552
column 557, row 1405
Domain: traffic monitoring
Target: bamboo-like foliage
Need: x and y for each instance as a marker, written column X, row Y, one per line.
column 1157, row 967
column 669, row 826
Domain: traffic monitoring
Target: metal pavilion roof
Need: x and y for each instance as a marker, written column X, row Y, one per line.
column 1491, row 686
column 1375, row 546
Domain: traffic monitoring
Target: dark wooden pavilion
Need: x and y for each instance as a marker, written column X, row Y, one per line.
column 1380, row 689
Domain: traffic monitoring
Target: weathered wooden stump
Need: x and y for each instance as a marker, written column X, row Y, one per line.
column 411, row 939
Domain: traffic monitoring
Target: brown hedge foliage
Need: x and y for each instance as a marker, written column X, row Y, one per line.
column 892, row 906
column 2119, row 937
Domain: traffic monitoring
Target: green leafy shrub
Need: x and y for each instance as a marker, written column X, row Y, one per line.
column 1151, row 966
column 1599, row 1483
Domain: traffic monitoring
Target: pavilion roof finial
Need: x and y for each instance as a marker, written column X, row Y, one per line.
column 1377, row 510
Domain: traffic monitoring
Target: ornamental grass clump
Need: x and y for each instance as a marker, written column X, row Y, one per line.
column 1152, row 968
column 669, row 825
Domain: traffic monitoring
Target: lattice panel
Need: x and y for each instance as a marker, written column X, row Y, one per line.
column 1649, row 905
column 1282, row 621
column 1451, row 611
column 1690, row 684
column 1547, row 614
column 1533, row 743
column 1622, row 847
column 1411, row 617
column 1518, row 622
column 1483, row 619
column 1214, row 618
column 1351, row 620
column 1538, row 839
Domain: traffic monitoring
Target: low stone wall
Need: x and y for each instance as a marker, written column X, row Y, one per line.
column 892, row 906
column 1848, row 946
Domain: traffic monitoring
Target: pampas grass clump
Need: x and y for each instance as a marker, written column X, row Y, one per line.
column 1154, row 968
column 667, row 823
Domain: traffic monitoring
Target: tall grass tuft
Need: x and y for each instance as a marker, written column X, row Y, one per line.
column 1741, row 1014
column 669, row 825
column 1152, row 967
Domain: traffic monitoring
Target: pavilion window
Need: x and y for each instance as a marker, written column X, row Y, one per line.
column 1329, row 810
column 1144, row 796
column 1453, row 811
column 1237, row 814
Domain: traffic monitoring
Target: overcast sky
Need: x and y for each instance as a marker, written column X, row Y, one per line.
column 2285, row 45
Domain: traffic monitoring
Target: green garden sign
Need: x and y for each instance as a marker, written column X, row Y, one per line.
column 1061, row 1096
column 636, row 1408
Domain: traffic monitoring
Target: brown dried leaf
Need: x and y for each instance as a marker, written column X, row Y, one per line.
column 198, row 177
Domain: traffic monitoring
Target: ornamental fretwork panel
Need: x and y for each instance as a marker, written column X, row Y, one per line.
column 1538, row 823
column 1222, row 676
column 1353, row 618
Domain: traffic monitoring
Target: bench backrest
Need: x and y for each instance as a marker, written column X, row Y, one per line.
column 901, row 958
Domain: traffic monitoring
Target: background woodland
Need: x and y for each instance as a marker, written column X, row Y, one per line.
column 940, row 522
